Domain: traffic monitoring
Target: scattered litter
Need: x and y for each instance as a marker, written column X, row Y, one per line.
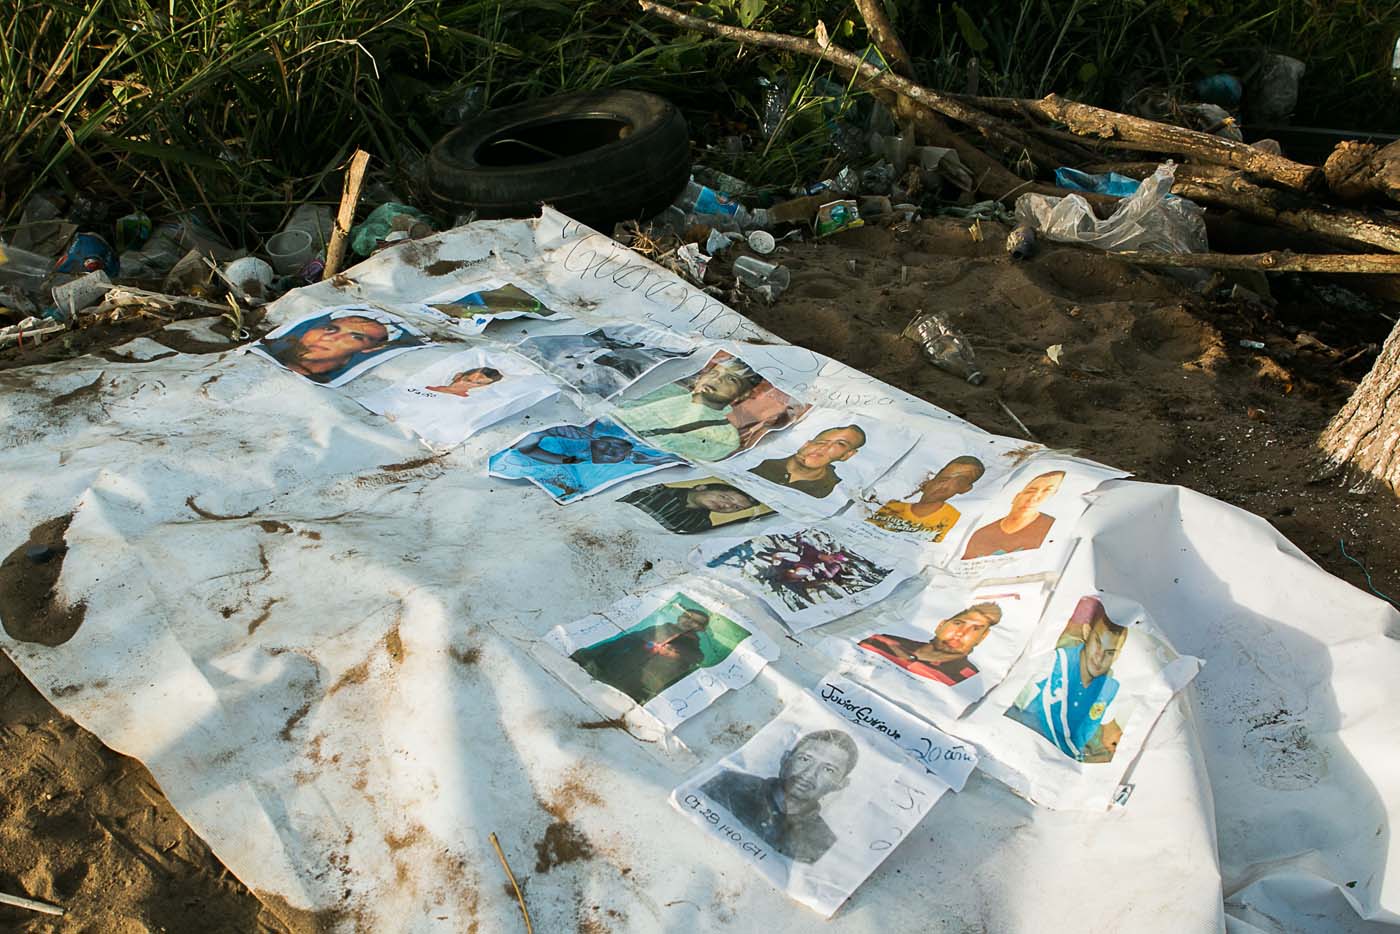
column 1107, row 183
column 692, row 262
column 133, row 230
column 836, row 216
column 1020, row 243
column 1019, row 424
column 1148, row 221
column 389, row 223
column 1252, row 345
column 29, row 903
column 944, row 347
column 761, row 241
column 250, row 275
column 718, row 241
column 82, row 292
column 767, row 279
column 981, row 210
column 290, row 251
column 1342, row 543
column 35, row 329
column 1055, row 352
column 88, row 252
column 937, row 165
column 1274, row 92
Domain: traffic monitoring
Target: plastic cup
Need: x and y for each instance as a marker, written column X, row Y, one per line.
column 289, row 251
column 250, row 274
column 755, row 273
column 761, row 241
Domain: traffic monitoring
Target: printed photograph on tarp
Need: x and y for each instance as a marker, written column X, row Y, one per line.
column 604, row 360
column 570, row 462
column 942, row 486
column 455, row 397
column 692, row 506
column 713, row 414
column 333, row 346
column 815, row 802
column 942, row 650
column 1065, row 723
column 824, row 462
column 807, row 575
column 1028, row 527
column 668, row 652
column 477, row 306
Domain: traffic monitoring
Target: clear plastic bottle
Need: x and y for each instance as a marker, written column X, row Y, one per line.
column 700, row 199
column 944, row 347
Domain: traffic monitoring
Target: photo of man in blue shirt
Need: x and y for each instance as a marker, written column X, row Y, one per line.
column 1068, row 705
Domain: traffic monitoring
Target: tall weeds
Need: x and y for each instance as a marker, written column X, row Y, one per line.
column 243, row 107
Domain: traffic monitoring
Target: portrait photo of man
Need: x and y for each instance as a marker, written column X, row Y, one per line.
column 571, row 461
column 333, row 347
column 785, row 810
column 811, row 469
column 944, row 657
column 645, row 661
column 692, row 418
column 690, row 508
column 1024, row 526
column 927, row 512
column 462, row 384
column 1069, row 704
column 603, row 361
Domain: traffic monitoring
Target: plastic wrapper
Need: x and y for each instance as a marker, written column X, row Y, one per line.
column 1150, row 220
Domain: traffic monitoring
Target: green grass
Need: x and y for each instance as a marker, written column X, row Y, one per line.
column 243, row 108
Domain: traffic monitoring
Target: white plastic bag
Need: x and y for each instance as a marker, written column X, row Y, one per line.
column 1149, row 220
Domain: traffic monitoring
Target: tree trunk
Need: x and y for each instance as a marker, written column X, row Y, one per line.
column 1363, row 439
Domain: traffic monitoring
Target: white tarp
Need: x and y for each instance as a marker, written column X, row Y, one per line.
column 321, row 638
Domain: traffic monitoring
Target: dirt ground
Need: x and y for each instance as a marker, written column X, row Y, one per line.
column 1151, row 379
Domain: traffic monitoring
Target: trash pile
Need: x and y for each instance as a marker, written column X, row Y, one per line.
column 64, row 266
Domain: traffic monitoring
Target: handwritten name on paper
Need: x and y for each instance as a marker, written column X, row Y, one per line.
column 861, row 714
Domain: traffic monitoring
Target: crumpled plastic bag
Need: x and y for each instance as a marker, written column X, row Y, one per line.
column 1149, row 220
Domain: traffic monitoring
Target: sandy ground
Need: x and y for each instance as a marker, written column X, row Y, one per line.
column 1152, row 379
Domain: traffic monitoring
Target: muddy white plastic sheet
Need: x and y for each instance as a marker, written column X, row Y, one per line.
column 319, row 634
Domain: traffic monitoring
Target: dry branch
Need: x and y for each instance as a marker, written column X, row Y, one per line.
column 884, row 36
column 996, row 130
column 1274, row 261
column 1152, row 136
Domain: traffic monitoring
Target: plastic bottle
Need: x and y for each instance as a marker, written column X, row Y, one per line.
column 703, row 200
column 944, row 347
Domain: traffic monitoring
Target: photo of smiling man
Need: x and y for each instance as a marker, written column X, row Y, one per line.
column 332, row 347
column 824, row 462
column 1071, row 705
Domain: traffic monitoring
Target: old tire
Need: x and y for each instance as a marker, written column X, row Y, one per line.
column 598, row 156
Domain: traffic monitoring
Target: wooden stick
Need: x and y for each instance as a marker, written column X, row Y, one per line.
column 349, row 199
column 519, row 897
column 1162, row 137
column 884, row 36
column 31, row 904
column 1273, row 261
